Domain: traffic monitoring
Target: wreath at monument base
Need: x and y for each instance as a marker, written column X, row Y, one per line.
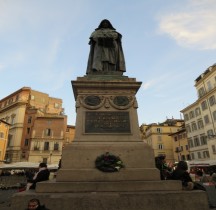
column 108, row 163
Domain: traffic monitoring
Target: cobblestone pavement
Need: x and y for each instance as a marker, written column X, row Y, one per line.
column 5, row 198
column 11, row 182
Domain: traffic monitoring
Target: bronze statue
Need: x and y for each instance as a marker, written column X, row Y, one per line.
column 106, row 54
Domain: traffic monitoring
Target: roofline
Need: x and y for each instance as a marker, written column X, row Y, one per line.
column 14, row 93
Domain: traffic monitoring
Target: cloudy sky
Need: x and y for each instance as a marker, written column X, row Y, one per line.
column 167, row 45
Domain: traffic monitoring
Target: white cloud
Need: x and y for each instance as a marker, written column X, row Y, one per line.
column 158, row 82
column 148, row 84
column 193, row 26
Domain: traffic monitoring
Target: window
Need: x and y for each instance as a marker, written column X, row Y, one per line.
column 26, row 142
column 213, row 149
column 29, row 119
column 175, row 138
column 56, row 105
column 56, row 146
column 201, row 92
column 12, row 119
column 190, row 143
column 36, row 145
column 17, row 97
column 28, row 130
column 188, row 157
column 196, row 141
column 183, row 157
column 205, row 154
column 192, row 156
column 160, row 146
column 203, row 139
column 188, row 129
column 206, row 119
column 1, row 135
column 212, row 100
column 48, row 132
column 186, row 117
column 186, row 147
column 197, row 111
column 191, row 114
column 46, row 145
column 159, row 130
column 199, row 155
column 10, row 101
column 209, row 85
column 177, row 149
column 194, row 126
column 210, row 133
column 32, row 97
column 204, row 105
column 200, row 124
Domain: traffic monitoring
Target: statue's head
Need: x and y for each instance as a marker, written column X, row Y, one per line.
column 105, row 24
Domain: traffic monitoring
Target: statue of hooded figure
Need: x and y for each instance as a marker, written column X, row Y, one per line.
column 106, row 54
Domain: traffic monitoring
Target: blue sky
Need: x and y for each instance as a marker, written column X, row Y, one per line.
column 167, row 45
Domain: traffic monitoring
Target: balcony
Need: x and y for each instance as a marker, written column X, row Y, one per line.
column 178, row 150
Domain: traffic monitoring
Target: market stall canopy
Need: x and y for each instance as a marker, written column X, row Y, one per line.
column 23, row 165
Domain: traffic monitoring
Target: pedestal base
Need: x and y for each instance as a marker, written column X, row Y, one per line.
column 117, row 186
column 151, row 200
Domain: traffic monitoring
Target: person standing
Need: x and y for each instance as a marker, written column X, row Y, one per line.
column 106, row 53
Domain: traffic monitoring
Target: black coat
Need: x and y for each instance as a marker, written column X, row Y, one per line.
column 40, row 208
column 41, row 176
column 180, row 174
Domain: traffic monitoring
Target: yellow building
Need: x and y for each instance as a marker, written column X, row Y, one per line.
column 4, row 130
column 70, row 133
column 158, row 137
column 23, row 109
column 180, row 145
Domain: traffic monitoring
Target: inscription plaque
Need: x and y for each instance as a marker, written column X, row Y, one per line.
column 107, row 122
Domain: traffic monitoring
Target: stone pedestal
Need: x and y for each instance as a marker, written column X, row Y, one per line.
column 107, row 121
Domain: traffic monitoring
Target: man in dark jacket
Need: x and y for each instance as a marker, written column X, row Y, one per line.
column 34, row 204
column 165, row 170
column 180, row 173
column 41, row 175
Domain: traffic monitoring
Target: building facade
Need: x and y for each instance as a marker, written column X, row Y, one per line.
column 31, row 114
column 4, row 131
column 70, row 133
column 200, row 117
column 158, row 136
column 180, row 145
